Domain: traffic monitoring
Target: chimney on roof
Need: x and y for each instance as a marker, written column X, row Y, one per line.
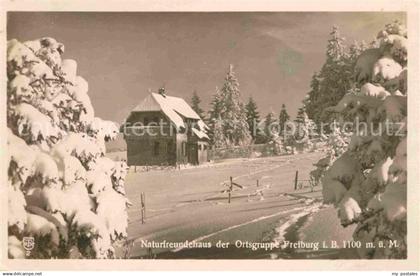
column 162, row 92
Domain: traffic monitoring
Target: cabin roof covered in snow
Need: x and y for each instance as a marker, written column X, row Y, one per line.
column 175, row 108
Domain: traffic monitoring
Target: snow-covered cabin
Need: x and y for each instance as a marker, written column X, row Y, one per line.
column 165, row 130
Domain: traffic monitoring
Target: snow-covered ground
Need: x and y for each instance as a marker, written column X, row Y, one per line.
column 315, row 224
column 191, row 205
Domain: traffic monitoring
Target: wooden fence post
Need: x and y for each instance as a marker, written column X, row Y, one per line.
column 144, row 201
column 258, row 184
column 135, row 168
column 296, row 179
column 143, row 207
column 230, row 188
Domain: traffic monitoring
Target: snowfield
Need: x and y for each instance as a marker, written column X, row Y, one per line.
column 191, row 205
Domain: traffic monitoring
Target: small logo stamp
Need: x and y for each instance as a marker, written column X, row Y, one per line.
column 28, row 244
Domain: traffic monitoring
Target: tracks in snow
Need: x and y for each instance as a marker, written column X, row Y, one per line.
column 312, row 206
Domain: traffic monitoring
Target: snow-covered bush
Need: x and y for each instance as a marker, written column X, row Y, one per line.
column 304, row 132
column 62, row 191
column 336, row 144
column 368, row 182
column 276, row 142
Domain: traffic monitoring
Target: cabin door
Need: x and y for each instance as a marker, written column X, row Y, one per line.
column 192, row 150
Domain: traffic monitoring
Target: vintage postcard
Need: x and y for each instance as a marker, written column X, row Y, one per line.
column 255, row 134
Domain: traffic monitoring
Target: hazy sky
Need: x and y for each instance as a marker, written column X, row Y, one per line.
column 123, row 55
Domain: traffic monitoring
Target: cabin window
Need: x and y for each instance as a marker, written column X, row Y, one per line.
column 156, row 148
column 205, row 147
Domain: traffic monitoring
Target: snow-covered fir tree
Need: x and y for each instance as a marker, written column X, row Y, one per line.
column 331, row 83
column 213, row 118
column 195, row 105
column 272, row 133
column 62, row 191
column 300, row 116
column 232, row 112
column 305, row 127
column 219, row 139
column 270, row 126
column 368, row 182
column 354, row 51
column 289, row 138
column 312, row 98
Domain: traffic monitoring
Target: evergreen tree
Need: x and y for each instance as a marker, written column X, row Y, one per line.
column 270, row 126
column 312, row 98
column 233, row 115
column 218, row 136
column 368, row 179
column 253, row 119
column 335, row 47
column 304, row 125
column 300, row 117
column 56, row 145
column 355, row 50
column 195, row 105
column 214, row 117
column 332, row 82
column 301, row 130
column 283, row 118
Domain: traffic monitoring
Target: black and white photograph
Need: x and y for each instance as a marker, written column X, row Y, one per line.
column 200, row 135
